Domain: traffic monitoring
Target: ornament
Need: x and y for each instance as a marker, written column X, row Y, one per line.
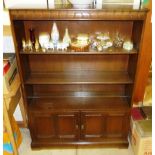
column 66, row 38
column 44, row 39
column 109, row 43
column 99, row 48
column 55, row 34
column 37, row 45
column 32, row 36
column 82, row 39
column 30, row 46
column 103, row 44
column 23, row 44
column 51, row 45
column 128, row 45
column 118, row 41
column 103, row 36
column 62, row 46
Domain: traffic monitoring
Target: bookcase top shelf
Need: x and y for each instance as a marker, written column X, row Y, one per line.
column 106, row 52
column 68, row 12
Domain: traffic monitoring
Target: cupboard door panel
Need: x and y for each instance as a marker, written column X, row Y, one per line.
column 43, row 126
column 117, row 125
column 92, row 125
column 67, row 125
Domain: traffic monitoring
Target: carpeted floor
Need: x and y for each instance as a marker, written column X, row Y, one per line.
column 25, row 149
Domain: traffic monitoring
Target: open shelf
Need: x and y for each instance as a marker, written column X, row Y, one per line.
column 90, row 51
column 87, row 77
column 79, row 103
column 77, row 94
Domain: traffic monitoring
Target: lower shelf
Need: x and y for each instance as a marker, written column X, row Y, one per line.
column 117, row 143
column 81, row 77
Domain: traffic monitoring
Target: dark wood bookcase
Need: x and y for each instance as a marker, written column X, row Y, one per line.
column 79, row 98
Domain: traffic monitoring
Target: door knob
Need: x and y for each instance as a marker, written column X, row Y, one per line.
column 76, row 126
column 82, row 127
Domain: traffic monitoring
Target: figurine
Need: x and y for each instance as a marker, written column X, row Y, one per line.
column 37, row 46
column 44, row 39
column 32, row 36
column 94, row 44
column 118, row 41
column 83, row 39
column 103, row 36
column 51, row 45
column 99, row 48
column 30, row 46
column 59, row 45
column 81, row 43
column 103, row 44
column 23, row 44
column 128, row 45
column 109, row 43
column 46, row 45
column 62, row 46
column 55, row 34
column 44, row 49
column 66, row 38
column 102, row 40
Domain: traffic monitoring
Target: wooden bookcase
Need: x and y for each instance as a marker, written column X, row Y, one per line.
column 79, row 98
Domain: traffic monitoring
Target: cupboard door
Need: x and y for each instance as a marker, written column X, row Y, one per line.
column 42, row 126
column 92, row 125
column 117, row 125
column 67, row 125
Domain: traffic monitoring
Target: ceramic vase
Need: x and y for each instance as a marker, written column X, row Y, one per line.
column 66, row 38
column 55, row 34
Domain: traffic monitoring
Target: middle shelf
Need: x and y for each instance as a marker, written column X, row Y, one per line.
column 79, row 103
column 85, row 77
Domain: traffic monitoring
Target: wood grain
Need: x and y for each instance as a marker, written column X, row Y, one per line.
column 144, row 60
column 64, row 14
column 80, row 98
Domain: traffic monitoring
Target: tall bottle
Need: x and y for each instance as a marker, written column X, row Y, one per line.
column 32, row 36
column 66, row 38
column 55, row 34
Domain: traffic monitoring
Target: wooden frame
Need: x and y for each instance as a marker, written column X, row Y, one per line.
column 59, row 83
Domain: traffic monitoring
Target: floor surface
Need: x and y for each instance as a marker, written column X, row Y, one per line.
column 25, row 149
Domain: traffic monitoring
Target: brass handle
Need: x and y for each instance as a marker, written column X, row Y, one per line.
column 82, row 127
column 76, row 126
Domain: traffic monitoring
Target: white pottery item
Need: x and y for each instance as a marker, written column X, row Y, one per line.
column 128, row 45
column 66, row 38
column 55, row 34
column 44, row 39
